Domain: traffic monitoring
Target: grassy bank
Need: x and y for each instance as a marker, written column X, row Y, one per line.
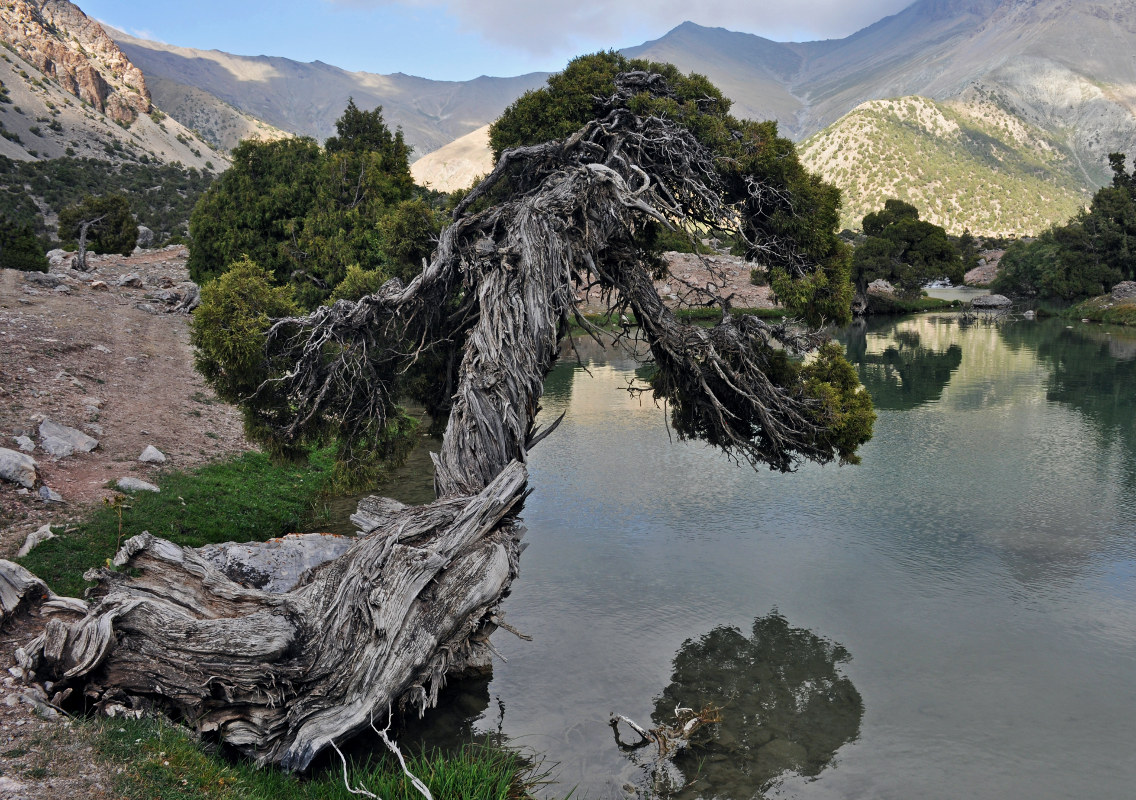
column 244, row 498
column 1104, row 309
column 882, row 304
column 159, row 759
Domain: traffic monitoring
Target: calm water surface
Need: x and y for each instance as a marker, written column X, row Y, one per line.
column 955, row 617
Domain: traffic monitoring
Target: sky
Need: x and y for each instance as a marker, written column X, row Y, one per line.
column 461, row 39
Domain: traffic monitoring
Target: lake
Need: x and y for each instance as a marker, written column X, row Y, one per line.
column 955, row 617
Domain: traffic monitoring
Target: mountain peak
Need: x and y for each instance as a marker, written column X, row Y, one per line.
column 71, row 48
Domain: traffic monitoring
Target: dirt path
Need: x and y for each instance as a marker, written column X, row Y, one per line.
column 110, row 361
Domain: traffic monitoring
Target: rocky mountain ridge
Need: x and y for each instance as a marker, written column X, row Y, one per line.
column 66, row 89
column 73, row 50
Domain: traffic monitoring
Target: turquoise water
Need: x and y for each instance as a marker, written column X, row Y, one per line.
column 955, row 617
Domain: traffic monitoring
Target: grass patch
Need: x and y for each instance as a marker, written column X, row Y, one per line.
column 243, row 498
column 883, row 304
column 1104, row 309
column 160, row 759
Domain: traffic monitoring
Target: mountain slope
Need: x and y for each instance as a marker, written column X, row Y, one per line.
column 967, row 163
column 1064, row 66
column 69, row 90
column 307, row 99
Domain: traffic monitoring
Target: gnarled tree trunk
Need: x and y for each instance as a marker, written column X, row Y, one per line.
column 281, row 675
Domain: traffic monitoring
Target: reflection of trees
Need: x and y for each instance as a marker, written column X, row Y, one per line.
column 1091, row 373
column 906, row 374
column 784, row 707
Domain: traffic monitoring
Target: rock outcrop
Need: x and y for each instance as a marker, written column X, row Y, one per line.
column 74, row 50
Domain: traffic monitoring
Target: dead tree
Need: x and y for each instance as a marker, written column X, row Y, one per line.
column 282, row 675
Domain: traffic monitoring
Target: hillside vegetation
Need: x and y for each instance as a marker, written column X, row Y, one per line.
column 161, row 195
column 966, row 164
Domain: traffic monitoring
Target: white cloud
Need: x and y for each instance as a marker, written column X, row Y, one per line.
column 537, row 26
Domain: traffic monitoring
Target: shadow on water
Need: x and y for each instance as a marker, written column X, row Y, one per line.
column 907, row 374
column 785, row 710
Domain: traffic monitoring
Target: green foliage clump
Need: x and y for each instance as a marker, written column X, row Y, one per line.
column 844, row 410
column 20, row 247
column 1085, row 257
column 904, row 250
column 307, row 213
column 794, row 227
column 228, row 333
column 111, row 227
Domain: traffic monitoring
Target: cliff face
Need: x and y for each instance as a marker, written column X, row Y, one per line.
column 69, row 47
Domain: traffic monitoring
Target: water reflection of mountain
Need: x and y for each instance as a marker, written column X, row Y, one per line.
column 785, row 709
column 906, row 373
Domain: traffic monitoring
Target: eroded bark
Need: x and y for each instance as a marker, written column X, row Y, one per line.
column 283, row 675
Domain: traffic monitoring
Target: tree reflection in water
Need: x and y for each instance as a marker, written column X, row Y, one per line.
column 785, row 708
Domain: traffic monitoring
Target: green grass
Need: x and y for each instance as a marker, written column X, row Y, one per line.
column 244, row 498
column 162, row 760
column 1104, row 309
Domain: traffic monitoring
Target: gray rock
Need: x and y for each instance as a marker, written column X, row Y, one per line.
column 49, row 495
column 152, row 455
column 136, row 485
column 17, row 468
column 991, row 301
column 55, row 439
column 35, row 539
column 133, row 279
column 25, row 444
column 48, row 279
column 149, row 309
column 145, row 237
column 1125, row 290
column 57, row 257
column 63, row 288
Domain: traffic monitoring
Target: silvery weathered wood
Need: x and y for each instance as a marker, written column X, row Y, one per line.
column 283, row 674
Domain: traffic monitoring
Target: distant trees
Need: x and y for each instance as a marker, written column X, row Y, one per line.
column 1085, row 257
column 307, row 214
column 20, row 248
column 288, row 227
column 103, row 224
column 904, row 250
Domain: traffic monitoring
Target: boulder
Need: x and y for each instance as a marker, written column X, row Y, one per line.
column 145, row 237
column 133, row 279
column 880, row 286
column 1125, row 290
column 25, row 444
column 48, row 279
column 60, row 441
column 989, row 301
column 135, row 485
column 17, row 468
column 100, row 286
column 152, row 455
column 49, row 495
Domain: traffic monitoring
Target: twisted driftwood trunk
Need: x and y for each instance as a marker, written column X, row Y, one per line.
column 282, row 675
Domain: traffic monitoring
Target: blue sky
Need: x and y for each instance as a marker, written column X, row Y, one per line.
column 461, row 39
